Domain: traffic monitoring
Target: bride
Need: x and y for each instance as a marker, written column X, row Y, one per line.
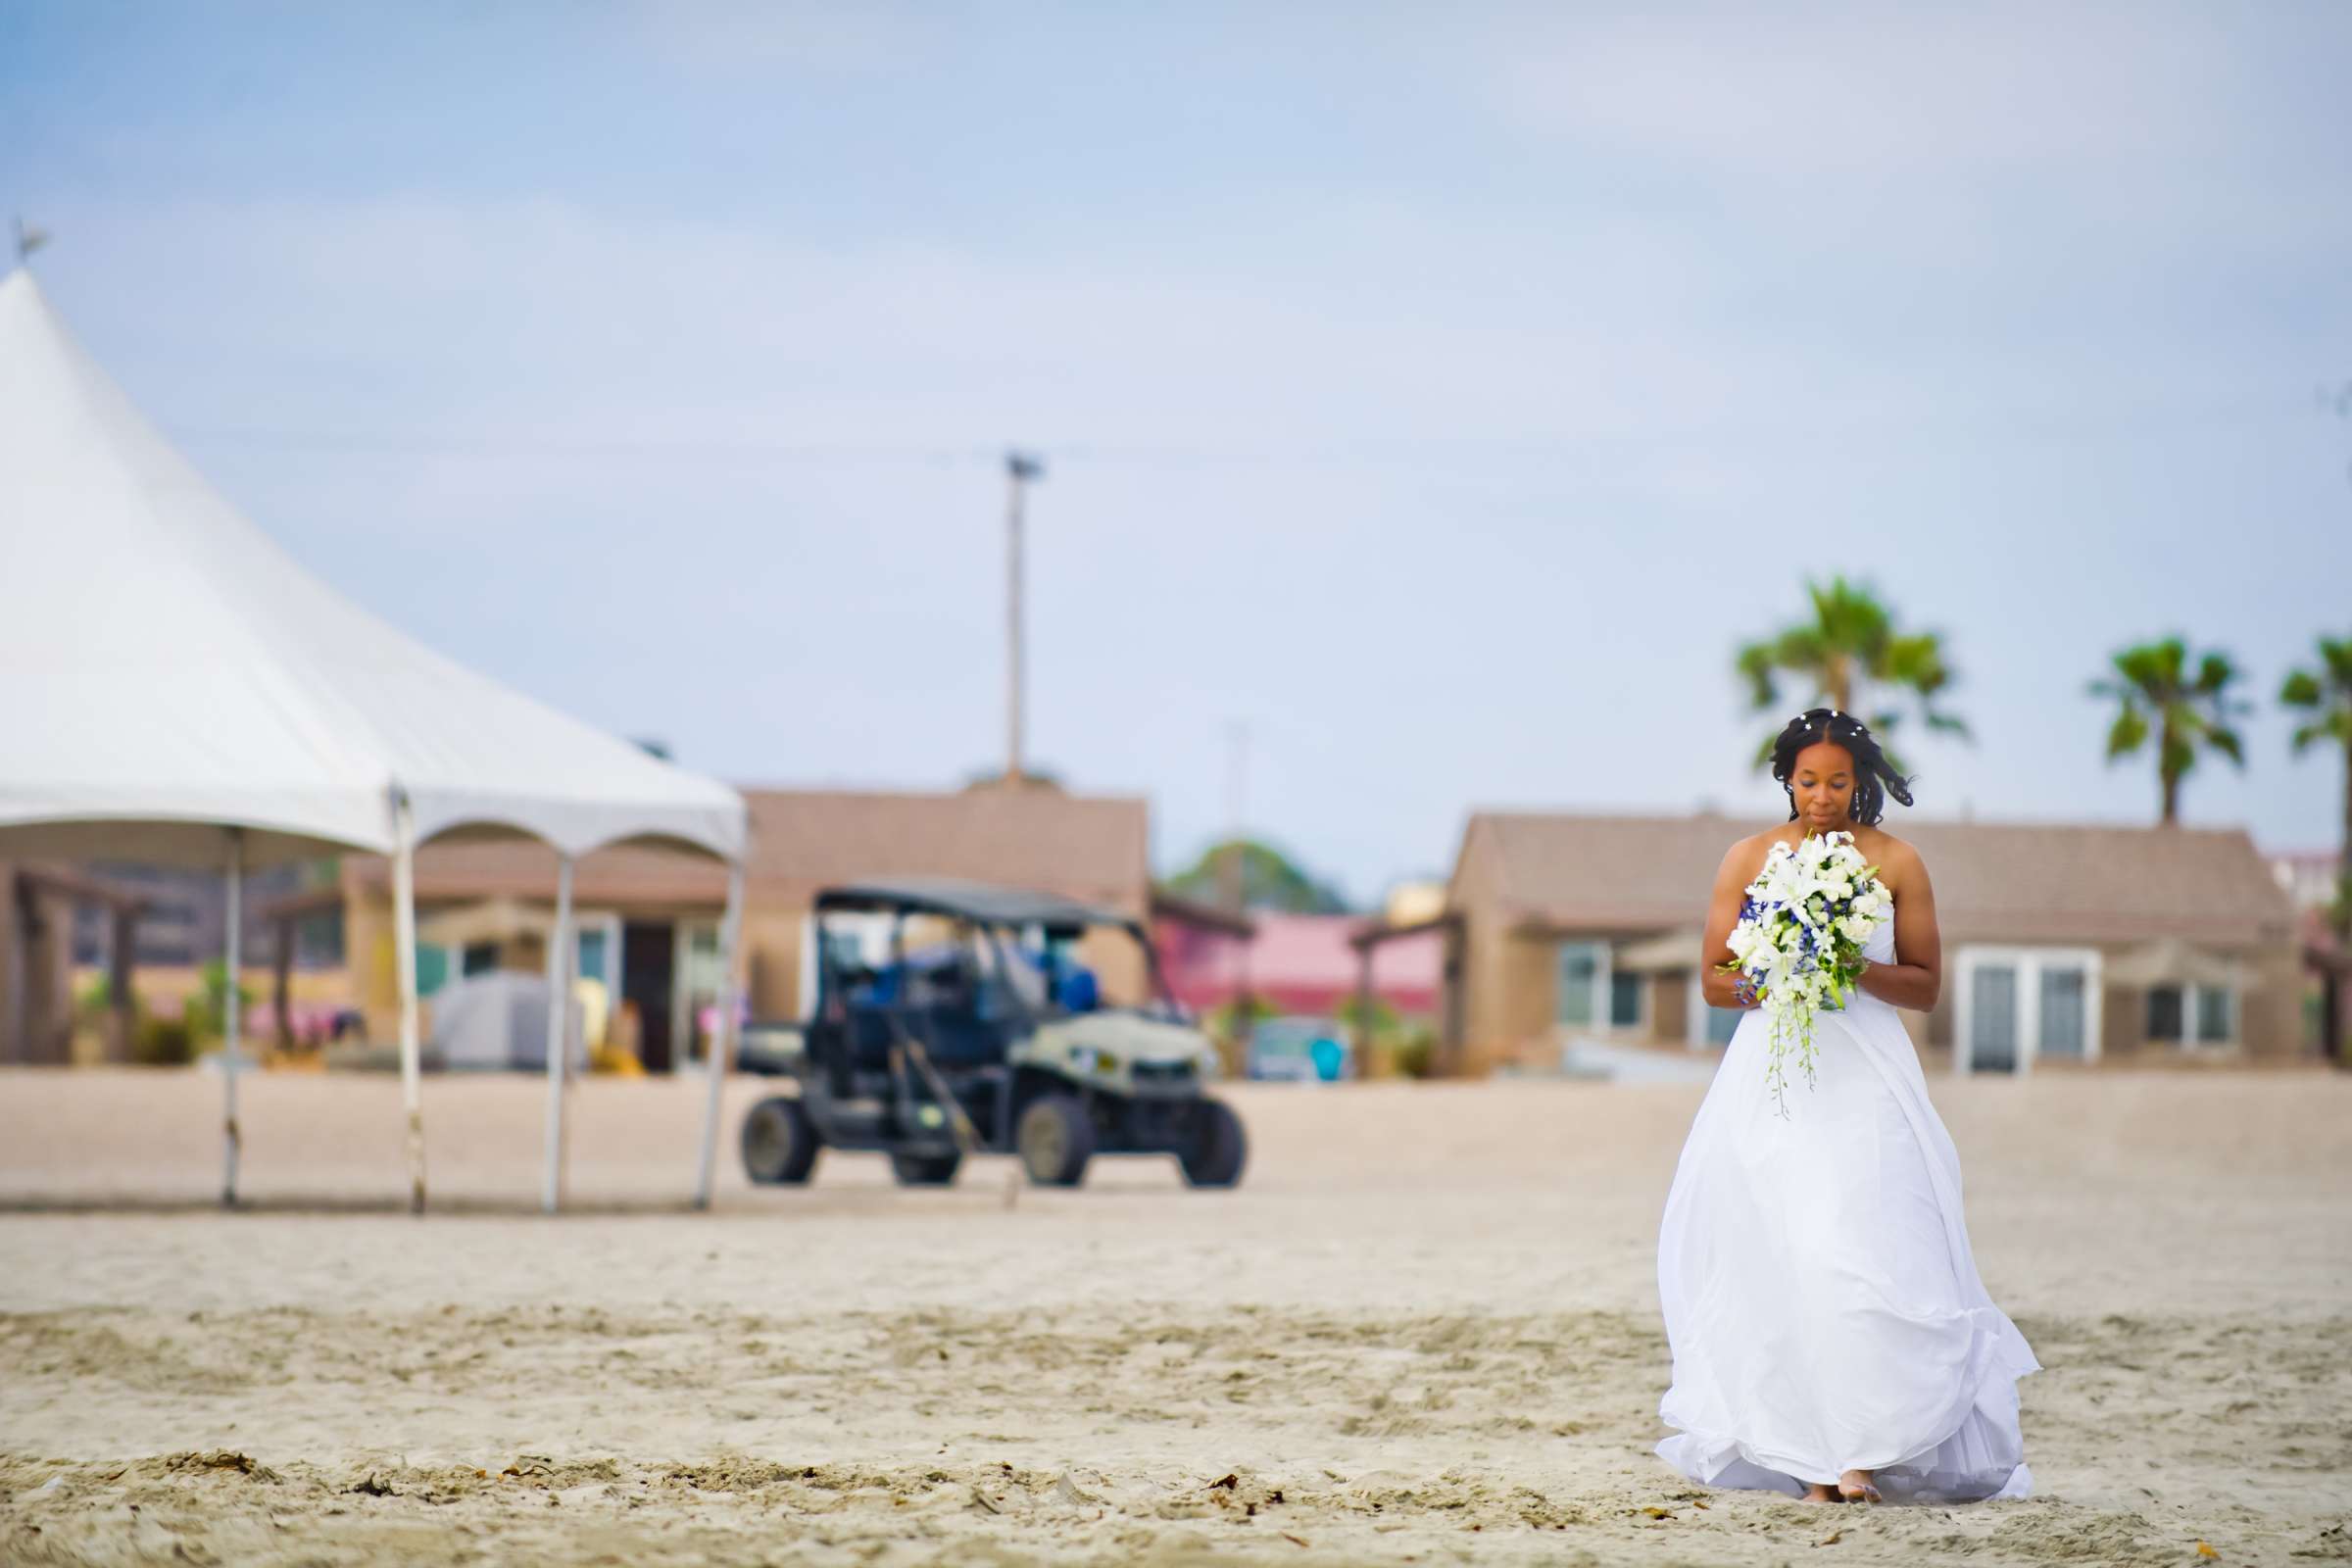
column 1829, row 1335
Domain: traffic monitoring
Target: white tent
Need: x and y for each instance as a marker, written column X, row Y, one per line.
column 173, row 688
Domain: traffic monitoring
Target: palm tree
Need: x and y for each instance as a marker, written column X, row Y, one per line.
column 2326, row 694
column 1848, row 654
column 2322, row 699
column 2188, row 713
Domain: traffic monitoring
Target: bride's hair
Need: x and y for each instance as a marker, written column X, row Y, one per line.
column 1875, row 778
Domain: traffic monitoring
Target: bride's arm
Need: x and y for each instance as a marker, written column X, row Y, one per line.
column 1732, row 878
column 1916, row 977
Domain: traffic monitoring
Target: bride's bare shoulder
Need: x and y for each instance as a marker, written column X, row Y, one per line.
column 1745, row 858
column 1892, row 855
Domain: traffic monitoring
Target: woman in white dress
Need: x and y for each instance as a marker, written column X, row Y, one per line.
column 1830, row 1337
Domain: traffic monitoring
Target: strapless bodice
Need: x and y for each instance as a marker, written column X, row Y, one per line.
column 1880, row 948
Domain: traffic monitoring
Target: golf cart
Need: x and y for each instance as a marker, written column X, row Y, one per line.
column 954, row 1019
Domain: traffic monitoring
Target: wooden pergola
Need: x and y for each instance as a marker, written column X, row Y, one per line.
column 28, row 888
column 1370, row 937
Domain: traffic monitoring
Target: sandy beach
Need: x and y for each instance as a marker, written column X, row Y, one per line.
column 1423, row 1331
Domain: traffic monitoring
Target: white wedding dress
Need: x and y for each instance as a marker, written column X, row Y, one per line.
column 1820, row 1300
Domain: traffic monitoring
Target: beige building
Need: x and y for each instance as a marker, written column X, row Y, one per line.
column 2063, row 945
column 648, row 921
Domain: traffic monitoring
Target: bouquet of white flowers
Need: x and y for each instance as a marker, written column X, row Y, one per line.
column 1799, row 941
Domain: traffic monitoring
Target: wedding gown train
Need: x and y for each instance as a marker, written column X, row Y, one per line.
column 1821, row 1304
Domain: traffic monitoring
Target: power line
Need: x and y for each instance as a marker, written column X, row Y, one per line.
column 499, row 448
column 1358, row 451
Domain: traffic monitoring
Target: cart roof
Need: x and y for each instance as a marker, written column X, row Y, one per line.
column 969, row 901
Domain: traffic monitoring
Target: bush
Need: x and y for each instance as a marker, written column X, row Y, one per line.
column 1384, row 1017
column 95, row 999
column 1417, row 1052
column 1226, row 1026
column 1234, row 1019
column 163, row 1043
column 210, row 1013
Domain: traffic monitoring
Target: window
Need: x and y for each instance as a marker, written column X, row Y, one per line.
column 432, row 969
column 318, row 940
column 2019, row 1004
column 1992, row 1019
column 2202, row 1014
column 843, row 951
column 697, row 979
column 2062, row 1015
column 1722, row 1024
column 1624, row 1000
column 592, row 955
column 2216, row 1015
column 479, row 958
column 1579, row 981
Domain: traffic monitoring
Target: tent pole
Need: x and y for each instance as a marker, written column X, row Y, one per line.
column 721, row 1034
column 403, row 950
column 558, row 1036
column 232, row 1018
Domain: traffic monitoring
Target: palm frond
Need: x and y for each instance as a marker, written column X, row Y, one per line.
column 1849, row 650
column 2215, row 672
column 1754, row 664
column 1950, row 724
column 2128, row 734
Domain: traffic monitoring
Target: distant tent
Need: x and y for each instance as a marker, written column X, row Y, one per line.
column 173, row 688
column 497, row 1022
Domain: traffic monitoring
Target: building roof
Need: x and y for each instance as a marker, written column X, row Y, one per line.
column 1173, row 907
column 2024, row 882
column 1093, row 849
column 1304, row 962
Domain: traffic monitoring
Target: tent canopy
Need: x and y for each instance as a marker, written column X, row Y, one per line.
column 173, row 673
column 173, row 688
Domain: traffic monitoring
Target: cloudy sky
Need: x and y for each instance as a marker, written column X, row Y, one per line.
column 1440, row 393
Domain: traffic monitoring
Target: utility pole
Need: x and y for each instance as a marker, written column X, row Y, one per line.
column 1020, row 468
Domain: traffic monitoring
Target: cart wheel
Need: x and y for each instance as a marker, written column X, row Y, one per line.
column 1055, row 1138
column 1214, row 1154
column 925, row 1170
column 779, row 1142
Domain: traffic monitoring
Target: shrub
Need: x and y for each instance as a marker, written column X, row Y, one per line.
column 163, row 1043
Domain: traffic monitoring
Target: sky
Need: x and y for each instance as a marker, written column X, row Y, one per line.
column 1431, row 399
